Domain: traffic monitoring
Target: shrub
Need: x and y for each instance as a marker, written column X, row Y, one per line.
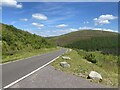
column 91, row 58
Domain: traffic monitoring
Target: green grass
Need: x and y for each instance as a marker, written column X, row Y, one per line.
column 106, row 66
column 26, row 54
column 69, row 38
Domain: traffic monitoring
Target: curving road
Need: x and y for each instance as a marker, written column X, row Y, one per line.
column 15, row 70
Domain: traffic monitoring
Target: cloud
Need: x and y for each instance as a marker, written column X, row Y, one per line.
column 61, row 25
column 55, row 20
column 11, row 3
column 24, row 19
column 85, row 28
column 86, row 22
column 64, row 31
column 105, row 29
column 104, row 19
column 38, row 25
column 92, row 28
column 107, row 17
column 39, row 16
column 60, row 32
column 13, row 22
column 73, row 29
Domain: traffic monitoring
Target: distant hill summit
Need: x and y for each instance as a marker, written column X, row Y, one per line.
column 80, row 35
column 14, row 40
column 89, row 40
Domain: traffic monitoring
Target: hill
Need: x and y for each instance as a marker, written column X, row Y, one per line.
column 90, row 50
column 89, row 40
column 16, row 40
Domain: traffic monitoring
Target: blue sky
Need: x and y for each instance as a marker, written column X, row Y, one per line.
column 53, row 19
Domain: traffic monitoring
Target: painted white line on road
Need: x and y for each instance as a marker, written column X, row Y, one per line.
column 30, row 73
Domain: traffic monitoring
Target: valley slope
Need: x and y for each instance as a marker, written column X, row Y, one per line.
column 90, row 50
column 89, row 40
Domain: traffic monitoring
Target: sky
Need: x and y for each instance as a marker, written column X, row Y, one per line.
column 57, row 18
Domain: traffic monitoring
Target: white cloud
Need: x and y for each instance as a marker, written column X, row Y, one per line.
column 85, row 28
column 105, row 29
column 61, row 26
column 13, row 22
column 11, row 3
column 24, row 19
column 38, row 25
column 85, row 22
column 92, row 28
column 61, row 31
column 68, row 30
column 56, row 32
column 107, row 17
column 73, row 29
column 104, row 19
column 39, row 16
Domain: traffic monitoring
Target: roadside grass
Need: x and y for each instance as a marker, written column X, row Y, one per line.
column 107, row 67
column 27, row 53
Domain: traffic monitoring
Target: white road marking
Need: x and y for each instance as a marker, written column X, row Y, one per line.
column 30, row 73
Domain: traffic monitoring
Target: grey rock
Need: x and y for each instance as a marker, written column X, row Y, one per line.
column 66, row 58
column 64, row 64
column 95, row 75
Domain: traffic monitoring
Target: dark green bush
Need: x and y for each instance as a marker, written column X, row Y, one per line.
column 91, row 58
column 106, row 44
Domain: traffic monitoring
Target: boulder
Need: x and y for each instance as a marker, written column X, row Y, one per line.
column 66, row 58
column 95, row 75
column 65, row 64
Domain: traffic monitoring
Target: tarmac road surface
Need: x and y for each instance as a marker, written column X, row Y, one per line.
column 49, row 77
column 15, row 70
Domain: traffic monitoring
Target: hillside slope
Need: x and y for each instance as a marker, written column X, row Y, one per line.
column 90, row 50
column 89, row 40
column 14, row 40
column 80, row 35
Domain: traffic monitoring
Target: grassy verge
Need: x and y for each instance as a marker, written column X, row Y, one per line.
column 106, row 66
column 26, row 54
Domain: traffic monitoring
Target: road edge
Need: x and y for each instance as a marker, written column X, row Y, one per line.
column 30, row 73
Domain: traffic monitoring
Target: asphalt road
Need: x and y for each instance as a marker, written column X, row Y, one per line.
column 49, row 77
column 15, row 70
